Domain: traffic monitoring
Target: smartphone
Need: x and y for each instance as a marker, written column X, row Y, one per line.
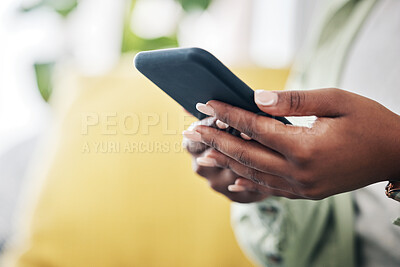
column 193, row 75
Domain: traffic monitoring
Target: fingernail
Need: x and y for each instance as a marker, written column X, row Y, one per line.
column 237, row 181
column 245, row 136
column 265, row 98
column 236, row 188
column 206, row 162
column 192, row 135
column 206, row 109
column 221, row 125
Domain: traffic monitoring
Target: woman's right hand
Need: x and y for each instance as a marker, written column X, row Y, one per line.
column 224, row 181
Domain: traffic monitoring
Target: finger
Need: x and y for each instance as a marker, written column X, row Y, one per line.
column 253, row 177
column 194, row 148
column 191, row 142
column 221, row 182
column 245, row 136
column 245, row 184
column 322, row 102
column 267, row 131
column 237, row 188
column 238, row 191
column 242, row 184
column 256, row 176
column 207, row 172
column 209, row 121
column 248, row 153
column 221, row 125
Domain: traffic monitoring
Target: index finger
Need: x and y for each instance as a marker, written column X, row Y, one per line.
column 193, row 147
column 267, row 131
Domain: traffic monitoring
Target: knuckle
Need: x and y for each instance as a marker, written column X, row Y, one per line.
column 224, row 116
column 221, row 109
column 296, row 99
column 334, row 92
column 213, row 142
column 199, row 170
column 298, row 156
column 242, row 156
column 258, row 127
column 307, row 186
column 194, row 148
column 312, row 194
column 225, row 163
column 337, row 95
column 217, row 187
column 210, row 121
column 205, row 172
column 304, row 153
column 303, row 178
column 254, row 126
column 222, row 160
column 253, row 175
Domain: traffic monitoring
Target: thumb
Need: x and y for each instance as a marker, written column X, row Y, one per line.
column 321, row 103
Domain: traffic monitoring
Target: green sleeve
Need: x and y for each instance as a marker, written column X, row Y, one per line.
column 282, row 232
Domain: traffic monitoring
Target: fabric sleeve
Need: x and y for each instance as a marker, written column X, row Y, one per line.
column 283, row 232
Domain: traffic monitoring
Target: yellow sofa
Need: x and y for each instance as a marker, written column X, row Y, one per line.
column 117, row 189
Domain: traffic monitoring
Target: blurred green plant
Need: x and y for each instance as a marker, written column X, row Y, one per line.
column 44, row 78
column 130, row 41
column 189, row 5
column 133, row 43
column 44, row 71
column 62, row 7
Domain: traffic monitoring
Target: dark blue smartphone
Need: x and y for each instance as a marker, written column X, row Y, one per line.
column 193, row 75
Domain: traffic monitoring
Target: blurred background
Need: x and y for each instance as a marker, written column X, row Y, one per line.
column 60, row 59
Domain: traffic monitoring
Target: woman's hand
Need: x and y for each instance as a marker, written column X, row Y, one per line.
column 222, row 180
column 354, row 142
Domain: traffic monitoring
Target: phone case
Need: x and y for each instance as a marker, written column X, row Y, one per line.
column 193, row 75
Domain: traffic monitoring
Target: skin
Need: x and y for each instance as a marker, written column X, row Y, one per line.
column 220, row 177
column 354, row 142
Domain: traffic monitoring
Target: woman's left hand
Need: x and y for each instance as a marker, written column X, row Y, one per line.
column 354, row 142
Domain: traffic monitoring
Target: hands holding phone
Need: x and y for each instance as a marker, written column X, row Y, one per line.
column 354, row 142
column 222, row 180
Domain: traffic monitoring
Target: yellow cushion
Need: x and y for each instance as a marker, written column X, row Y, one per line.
column 133, row 200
